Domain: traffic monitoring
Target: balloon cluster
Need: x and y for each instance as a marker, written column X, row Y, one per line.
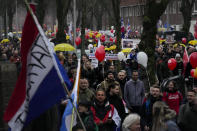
column 142, row 58
column 193, row 62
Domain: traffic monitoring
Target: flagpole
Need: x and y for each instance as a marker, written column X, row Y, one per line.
column 46, row 41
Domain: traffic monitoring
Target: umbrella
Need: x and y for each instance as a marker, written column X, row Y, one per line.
column 107, row 49
column 5, row 40
column 113, row 47
column 126, row 50
column 192, row 42
column 64, row 47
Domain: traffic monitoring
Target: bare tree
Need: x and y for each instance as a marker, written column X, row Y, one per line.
column 116, row 12
column 153, row 10
column 186, row 10
column 62, row 10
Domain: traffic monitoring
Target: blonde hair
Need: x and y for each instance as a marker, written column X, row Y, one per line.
column 161, row 113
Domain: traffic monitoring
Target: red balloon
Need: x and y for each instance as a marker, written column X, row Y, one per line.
column 94, row 36
column 193, row 59
column 112, row 31
column 96, row 40
column 78, row 29
column 96, row 33
column 103, row 38
column 87, row 36
column 102, row 46
column 192, row 72
column 53, row 34
column 111, row 39
column 100, row 54
column 184, row 40
column 78, row 41
column 116, row 40
column 195, row 35
column 172, row 64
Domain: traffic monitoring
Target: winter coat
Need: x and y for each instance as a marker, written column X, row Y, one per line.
column 118, row 104
column 86, row 95
column 134, row 93
column 102, row 113
column 122, row 84
column 106, row 83
column 88, row 120
column 147, row 110
column 187, row 119
column 173, row 100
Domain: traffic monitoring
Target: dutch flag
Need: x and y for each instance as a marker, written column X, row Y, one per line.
column 39, row 86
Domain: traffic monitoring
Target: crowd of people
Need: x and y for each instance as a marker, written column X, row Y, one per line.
column 111, row 99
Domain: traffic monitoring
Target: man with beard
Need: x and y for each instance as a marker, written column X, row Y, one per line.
column 188, row 113
column 147, row 107
column 121, row 78
column 109, row 80
column 85, row 94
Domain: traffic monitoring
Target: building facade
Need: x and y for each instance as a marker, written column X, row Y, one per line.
column 133, row 10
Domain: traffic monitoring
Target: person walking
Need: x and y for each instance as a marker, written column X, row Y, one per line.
column 188, row 113
column 134, row 93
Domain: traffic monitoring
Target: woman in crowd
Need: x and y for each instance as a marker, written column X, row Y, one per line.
column 131, row 123
column 172, row 97
column 163, row 118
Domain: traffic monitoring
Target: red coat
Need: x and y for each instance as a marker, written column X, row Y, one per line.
column 173, row 100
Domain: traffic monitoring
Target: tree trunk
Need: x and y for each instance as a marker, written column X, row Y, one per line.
column 83, row 26
column 10, row 19
column 116, row 10
column 186, row 9
column 5, row 24
column 153, row 11
column 62, row 10
column 40, row 11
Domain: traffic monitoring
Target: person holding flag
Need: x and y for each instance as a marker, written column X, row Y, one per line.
column 42, row 80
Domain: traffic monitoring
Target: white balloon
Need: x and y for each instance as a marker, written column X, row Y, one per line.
column 142, row 59
column 90, row 46
column 121, row 56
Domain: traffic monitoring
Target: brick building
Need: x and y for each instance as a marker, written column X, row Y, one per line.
column 133, row 10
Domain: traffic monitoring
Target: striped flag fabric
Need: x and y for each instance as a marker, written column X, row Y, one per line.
column 69, row 116
column 39, row 86
column 122, row 28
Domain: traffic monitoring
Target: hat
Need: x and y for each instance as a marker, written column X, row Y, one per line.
column 177, row 55
column 107, row 73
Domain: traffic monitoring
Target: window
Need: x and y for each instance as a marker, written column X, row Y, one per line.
column 130, row 11
column 125, row 11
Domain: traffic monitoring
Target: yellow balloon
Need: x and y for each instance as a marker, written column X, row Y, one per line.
column 98, row 35
column 67, row 37
column 90, row 35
